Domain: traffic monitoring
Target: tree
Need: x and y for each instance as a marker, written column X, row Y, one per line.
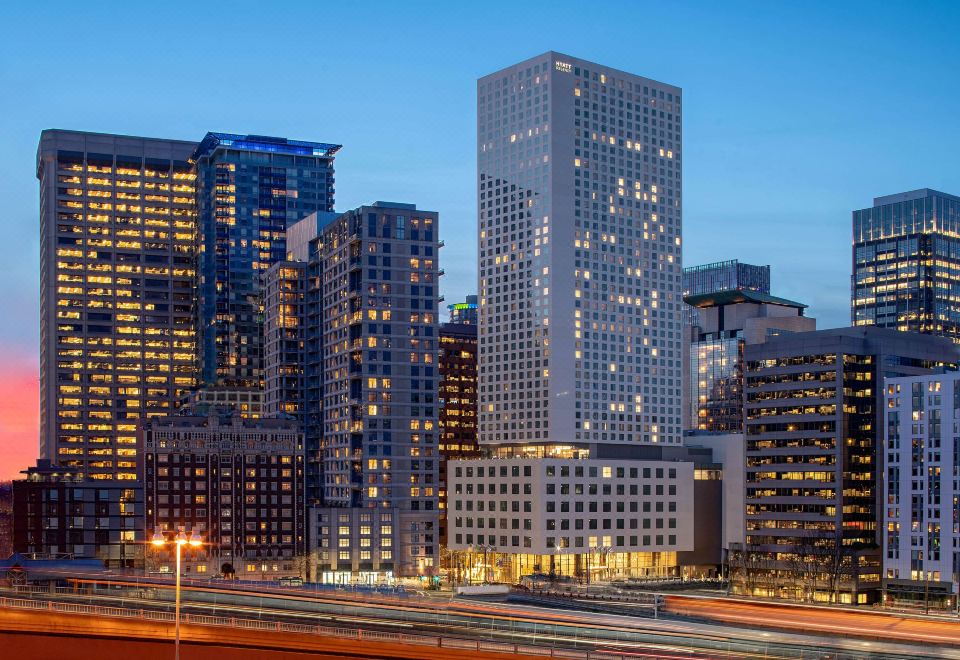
column 746, row 566
column 301, row 564
column 842, row 565
column 803, row 566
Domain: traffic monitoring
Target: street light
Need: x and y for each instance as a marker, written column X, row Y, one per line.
column 180, row 540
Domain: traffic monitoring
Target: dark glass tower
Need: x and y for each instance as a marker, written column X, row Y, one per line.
column 725, row 276
column 249, row 189
column 906, row 263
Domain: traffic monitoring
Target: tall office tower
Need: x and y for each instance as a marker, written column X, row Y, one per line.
column 250, row 189
column 579, row 204
column 237, row 482
column 726, row 322
column 465, row 312
column 579, row 253
column 815, row 475
column 458, row 401
column 284, row 308
column 906, row 263
column 921, row 540
column 725, row 276
column 117, row 252
column 369, row 390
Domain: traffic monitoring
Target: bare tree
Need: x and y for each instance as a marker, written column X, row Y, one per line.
column 746, row 566
column 301, row 564
column 802, row 565
column 842, row 564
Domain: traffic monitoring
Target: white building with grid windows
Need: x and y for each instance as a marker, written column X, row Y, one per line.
column 596, row 518
column 579, row 205
column 579, row 170
column 921, row 542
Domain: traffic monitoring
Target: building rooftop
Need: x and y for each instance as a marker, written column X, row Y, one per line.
column 559, row 59
column 911, row 195
column 213, row 141
column 861, row 337
column 717, row 265
column 734, row 297
column 459, row 329
column 395, row 205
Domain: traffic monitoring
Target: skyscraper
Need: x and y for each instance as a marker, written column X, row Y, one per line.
column 380, row 290
column 579, row 204
column 117, row 253
column 579, row 192
column 906, row 263
column 368, row 391
column 718, row 277
column 250, row 189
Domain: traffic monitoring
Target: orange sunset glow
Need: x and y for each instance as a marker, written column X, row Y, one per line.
column 19, row 414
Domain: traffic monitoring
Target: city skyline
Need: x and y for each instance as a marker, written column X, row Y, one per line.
column 800, row 175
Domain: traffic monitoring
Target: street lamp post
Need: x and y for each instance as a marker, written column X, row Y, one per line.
column 180, row 540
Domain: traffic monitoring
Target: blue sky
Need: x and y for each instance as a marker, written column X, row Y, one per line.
column 795, row 113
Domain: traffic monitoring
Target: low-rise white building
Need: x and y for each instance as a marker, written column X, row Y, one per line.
column 921, row 542
column 584, row 518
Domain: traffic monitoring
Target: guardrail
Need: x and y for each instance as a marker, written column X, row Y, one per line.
column 323, row 631
column 526, row 646
column 596, row 605
column 639, row 598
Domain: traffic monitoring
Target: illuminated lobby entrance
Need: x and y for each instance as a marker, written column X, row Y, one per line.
column 480, row 565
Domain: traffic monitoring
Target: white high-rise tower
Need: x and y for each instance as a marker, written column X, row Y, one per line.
column 579, row 193
column 579, row 189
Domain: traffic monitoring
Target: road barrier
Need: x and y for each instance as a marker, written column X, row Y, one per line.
column 324, row 631
column 527, row 645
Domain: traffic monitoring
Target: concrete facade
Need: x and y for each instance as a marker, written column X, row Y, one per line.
column 550, row 514
column 579, row 206
column 728, row 453
column 579, row 192
column 921, row 538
